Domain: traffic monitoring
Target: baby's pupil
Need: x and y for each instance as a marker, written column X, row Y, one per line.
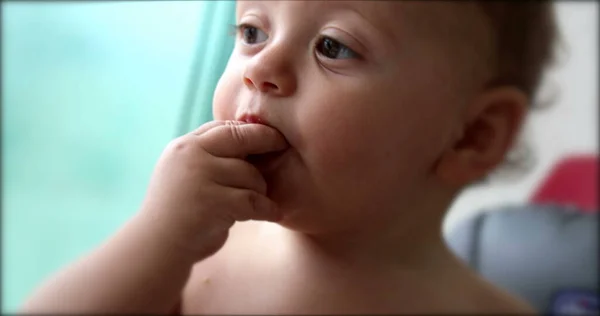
column 329, row 47
column 250, row 34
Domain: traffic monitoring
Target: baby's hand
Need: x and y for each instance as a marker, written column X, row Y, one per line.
column 202, row 184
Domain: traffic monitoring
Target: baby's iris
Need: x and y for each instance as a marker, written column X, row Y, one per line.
column 252, row 35
column 330, row 48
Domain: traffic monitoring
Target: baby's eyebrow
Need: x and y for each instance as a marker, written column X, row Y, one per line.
column 383, row 29
column 243, row 5
column 381, row 16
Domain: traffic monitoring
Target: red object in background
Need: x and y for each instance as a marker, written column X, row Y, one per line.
column 573, row 181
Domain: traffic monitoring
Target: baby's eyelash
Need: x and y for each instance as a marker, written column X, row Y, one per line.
column 235, row 29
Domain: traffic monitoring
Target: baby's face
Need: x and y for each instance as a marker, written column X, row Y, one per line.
column 365, row 94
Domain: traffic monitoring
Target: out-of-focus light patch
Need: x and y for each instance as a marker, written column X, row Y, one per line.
column 145, row 28
column 91, row 95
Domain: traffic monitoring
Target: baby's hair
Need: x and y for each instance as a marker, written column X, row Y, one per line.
column 525, row 35
column 525, row 42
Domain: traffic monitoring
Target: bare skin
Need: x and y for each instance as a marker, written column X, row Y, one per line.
column 374, row 122
column 266, row 270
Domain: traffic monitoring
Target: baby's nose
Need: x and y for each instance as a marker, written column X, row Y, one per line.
column 271, row 72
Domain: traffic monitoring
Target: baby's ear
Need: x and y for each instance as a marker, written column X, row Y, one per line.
column 493, row 122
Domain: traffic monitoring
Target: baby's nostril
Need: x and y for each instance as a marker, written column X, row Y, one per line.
column 269, row 86
column 248, row 82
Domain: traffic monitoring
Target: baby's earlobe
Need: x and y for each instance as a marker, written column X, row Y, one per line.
column 454, row 168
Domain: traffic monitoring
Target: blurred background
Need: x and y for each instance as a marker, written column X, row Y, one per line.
column 92, row 92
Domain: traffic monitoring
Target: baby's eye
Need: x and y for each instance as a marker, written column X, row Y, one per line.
column 251, row 34
column 333, row 49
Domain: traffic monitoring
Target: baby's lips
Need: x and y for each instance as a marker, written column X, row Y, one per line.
column 252, row 119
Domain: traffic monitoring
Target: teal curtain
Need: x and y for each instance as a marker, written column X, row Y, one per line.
column 91, row 94
column 212, row 54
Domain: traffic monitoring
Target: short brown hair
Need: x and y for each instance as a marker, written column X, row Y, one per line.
column 525, row 37
column 525, row 34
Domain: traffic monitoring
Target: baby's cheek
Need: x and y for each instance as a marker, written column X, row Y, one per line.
column 334, row 141
column 340, row 148
column 224, row 98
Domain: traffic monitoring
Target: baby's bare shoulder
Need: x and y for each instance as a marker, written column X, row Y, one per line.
column 464, row 291
column 488, row 299
column 504, row 303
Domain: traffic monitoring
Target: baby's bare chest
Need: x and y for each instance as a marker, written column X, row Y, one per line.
column 282, row 294
column 254, row 275
column 261, row 285
column 277, row 293
column 257, row 276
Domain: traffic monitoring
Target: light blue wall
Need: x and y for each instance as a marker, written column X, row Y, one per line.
column 91, row 93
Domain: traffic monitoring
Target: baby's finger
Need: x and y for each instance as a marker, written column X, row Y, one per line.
column 212, row 124
column 237, row 173
column 241, row 140
column 250, row 205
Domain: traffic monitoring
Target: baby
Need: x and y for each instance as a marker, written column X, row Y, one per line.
column 343, row 131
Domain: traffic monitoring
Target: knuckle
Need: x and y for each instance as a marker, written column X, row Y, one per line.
column 247, row 205
column 252, row 199
column 187, row 152
column 179, row 144
column 232, row 123
column 259, row 180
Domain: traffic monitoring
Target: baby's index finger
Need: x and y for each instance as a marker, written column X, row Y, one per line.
column 241, row 140
column 210, row 125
